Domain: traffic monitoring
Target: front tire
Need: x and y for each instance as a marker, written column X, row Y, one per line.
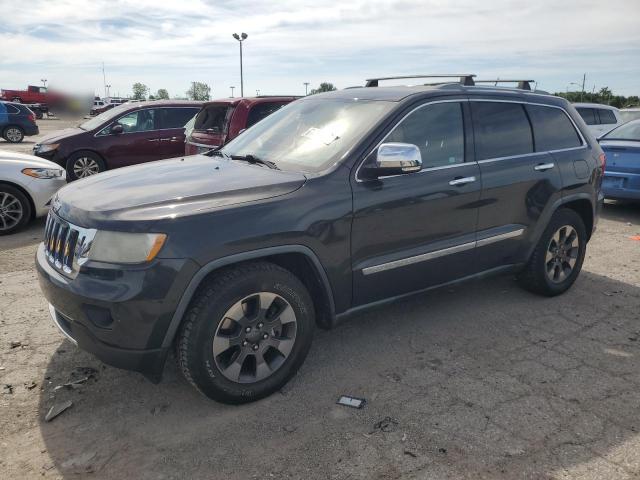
column 15, row 210
column 246, row 333
column 557, row 259
column 13, row 134
column 84, row 164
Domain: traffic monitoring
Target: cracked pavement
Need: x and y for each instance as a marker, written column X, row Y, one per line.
column 484, row 380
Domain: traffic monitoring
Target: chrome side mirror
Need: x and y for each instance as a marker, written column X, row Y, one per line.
column 394, row 159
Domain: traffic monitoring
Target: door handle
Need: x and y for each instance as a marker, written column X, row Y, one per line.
column 174, row 139
column 462, row 181
column 543, row 166
column 152, row 140
column 165, row 139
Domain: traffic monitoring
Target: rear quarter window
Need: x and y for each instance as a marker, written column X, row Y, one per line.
column 607, row 117
column 176, row 117
column 501, row 129
column 552, row 129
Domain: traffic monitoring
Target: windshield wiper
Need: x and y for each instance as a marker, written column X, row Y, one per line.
column 255, row 160
column 215, row 153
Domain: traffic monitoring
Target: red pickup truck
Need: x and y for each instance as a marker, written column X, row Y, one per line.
column 33, row 94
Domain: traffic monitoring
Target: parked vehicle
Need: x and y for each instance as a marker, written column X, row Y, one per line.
column 599, row 118
column 100, row 107
column 334, row 203
column 16, row 122
column 27, row 184
column 125, row 135
column 628, row 114
column 622, row 177
column 33, row 94
column 222, row 120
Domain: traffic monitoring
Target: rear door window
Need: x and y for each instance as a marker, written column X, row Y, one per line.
column 175, row 117
column 501, row 129
column 607, row 117
column 552, row 129
column 213, row 118
column 588, row 115
column 262, row 110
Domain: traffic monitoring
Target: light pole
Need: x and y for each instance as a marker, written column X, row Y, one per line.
column 107, row 87
column 44, row 82
column 257, row 93
column 241, row 38
column 232, row 91
column 306, row 88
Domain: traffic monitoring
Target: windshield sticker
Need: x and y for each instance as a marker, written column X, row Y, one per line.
column 321, row 135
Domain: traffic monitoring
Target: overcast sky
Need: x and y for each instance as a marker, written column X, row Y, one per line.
column 168, row 44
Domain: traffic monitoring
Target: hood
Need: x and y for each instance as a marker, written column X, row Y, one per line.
column 170, row 189
column 23, row 160
column 61, row 135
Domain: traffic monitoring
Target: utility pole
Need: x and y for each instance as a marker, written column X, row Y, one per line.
column 584, row 79
column 241, row 38
column 306, row 88
column 257, row 93
column 104, row 81
column 44, row 82
column 232, row 91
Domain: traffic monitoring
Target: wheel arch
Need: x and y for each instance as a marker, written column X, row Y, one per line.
column 9, row 125
column 88, row 150
column 25, row 193
column 298, row 259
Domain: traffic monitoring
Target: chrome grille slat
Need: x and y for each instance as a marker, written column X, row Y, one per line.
column 66, row 245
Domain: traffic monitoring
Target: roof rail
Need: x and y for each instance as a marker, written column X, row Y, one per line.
column 465, row 78
column 522, row 84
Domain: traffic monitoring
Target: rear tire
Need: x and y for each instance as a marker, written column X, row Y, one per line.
column 15, row 209
column 84, row 164
column 557, row 259
column 13, row 134
column 246, row 333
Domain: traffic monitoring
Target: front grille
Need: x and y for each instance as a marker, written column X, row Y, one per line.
column 66, row 245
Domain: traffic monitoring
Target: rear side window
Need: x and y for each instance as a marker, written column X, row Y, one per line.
column 213, row 117
column 501, row 130
column 262, row 110
column 552, row 129
column 588, row 115
column 437, row 130
column 12, row 108
column 607, row 117
column 175, row 117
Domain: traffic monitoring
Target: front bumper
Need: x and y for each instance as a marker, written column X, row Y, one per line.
column 118, row 314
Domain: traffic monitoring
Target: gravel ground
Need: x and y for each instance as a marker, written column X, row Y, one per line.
column 482, row 380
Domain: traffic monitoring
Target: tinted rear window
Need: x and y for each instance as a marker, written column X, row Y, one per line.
column 213, row 117
column 552, row 129
column 607, row 117
column 262, row 110
column 588, row 115
column 176, row 117
column 501, row 130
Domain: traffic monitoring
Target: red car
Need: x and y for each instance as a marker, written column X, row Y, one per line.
column 125, row 135
column 33, row 94
column 222, row 120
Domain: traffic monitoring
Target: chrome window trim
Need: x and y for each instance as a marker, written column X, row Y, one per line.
column 423, row 257
column 583, row 141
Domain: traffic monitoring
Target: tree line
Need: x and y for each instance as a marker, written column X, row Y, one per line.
column 604, row 96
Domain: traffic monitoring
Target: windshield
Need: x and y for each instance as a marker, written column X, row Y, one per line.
column 628, row 131
column 104, row 117
column 309, row 135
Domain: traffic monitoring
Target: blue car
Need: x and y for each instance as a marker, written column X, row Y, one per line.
column 622, row 175
column 16, row 122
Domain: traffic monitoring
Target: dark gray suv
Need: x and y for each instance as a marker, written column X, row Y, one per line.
column 335, row 203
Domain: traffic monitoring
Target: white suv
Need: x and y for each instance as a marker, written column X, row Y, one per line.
column 599, row 118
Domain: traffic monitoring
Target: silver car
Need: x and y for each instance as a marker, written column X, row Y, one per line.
column 27, row 184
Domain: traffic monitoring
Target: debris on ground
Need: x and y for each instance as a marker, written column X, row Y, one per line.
column 72, row 385
column 7, row 389
column 89, row 372
column 404, row 438
column 410, row 453
column 352, row 402
column 57, row 409
column 387, row 424
column 442, row 450
column 159, row 409
column 16, row 344
column 30, row 385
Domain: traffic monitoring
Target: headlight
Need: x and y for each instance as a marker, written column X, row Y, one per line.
column 47, row 147
column 121, row 247
column 43, row 172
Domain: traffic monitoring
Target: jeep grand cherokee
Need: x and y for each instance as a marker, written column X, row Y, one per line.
column 334, row 203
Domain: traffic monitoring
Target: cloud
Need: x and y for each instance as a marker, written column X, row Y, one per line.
column 169, row 44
